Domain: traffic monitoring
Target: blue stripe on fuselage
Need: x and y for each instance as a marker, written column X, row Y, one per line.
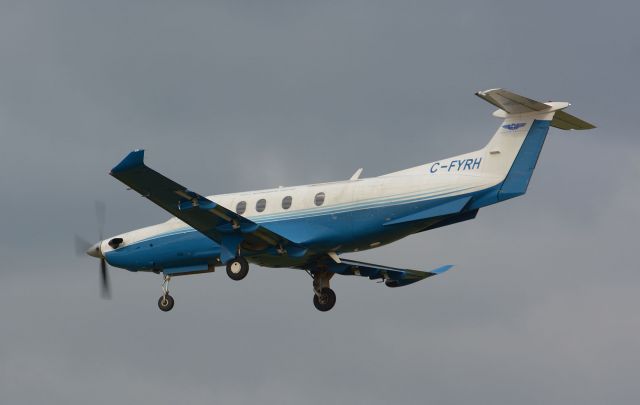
column 269, row 220
column 350, row 230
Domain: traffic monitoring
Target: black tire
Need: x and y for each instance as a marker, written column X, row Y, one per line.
column 165, row 303
column 237, row 269
column 326, row 301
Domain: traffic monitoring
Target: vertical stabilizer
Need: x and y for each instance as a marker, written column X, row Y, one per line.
column 513, row 151
column 511, row 155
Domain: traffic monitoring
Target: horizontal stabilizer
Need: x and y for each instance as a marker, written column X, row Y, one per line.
column 563, row 120
column 510, row 102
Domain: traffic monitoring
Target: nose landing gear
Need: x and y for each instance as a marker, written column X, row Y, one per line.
column 166, row 302
column 324, row 298
column 238, row 268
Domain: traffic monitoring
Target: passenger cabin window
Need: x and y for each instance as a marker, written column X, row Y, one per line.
column 261, row 205
column 319, row 200
column 241, row 207
column 286, row 202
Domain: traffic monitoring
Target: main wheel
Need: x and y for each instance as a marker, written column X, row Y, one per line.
column 237, row 268
column 165, row 303
column 325, row 301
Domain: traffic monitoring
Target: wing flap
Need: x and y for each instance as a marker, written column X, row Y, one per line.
column 392, row 276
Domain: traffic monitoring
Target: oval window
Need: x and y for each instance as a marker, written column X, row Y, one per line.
column 319, row 200
column 241, row 207
column 261, row 205
column 286, row 202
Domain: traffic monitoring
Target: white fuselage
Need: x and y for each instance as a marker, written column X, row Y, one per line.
column 304, row 216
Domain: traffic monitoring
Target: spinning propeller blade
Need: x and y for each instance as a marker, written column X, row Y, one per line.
column 82, row 245
column 101, row 217
column 85, row 247
column 105, row 289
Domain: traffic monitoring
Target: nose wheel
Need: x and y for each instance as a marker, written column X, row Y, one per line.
column 166, row 302
column 238, row 268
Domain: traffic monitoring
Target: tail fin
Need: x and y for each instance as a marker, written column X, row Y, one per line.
column 513, row 151
column 510, row 156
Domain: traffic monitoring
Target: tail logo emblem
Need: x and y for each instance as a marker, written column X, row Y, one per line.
column 513, row 127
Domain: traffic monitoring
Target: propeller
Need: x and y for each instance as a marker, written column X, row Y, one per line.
column 85, row 247
column 105, row 289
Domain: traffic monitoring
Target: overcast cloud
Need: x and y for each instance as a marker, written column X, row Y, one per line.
column 542, row 306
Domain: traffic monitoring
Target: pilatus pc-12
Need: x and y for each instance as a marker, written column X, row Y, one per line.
column 310, row 227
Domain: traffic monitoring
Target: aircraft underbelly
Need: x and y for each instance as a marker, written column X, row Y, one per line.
column 186, row 248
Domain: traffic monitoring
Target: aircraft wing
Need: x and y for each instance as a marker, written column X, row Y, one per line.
column 392, row 276
column 230, row 230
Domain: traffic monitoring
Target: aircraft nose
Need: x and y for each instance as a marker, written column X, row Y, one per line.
column 95, row 251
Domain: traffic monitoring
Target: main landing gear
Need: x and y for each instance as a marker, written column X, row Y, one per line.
column 165, row 303
column 238, row 268
column 324, row 298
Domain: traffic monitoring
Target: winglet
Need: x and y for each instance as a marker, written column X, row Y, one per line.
column 133, row 159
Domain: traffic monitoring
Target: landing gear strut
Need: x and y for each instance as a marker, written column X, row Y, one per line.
column 324, row 298
column 238, row 268
column 165, row 303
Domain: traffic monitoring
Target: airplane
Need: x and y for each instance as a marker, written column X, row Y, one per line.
column 310, row 227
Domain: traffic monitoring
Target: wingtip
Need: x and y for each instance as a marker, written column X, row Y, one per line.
column 442, row 269
column 133, row 159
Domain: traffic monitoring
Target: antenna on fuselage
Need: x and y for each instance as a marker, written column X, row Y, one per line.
column 357, row 174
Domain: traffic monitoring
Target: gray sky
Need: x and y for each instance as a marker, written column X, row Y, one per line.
column 542, row 306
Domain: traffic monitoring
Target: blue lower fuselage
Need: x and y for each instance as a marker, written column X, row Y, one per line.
column 187, row 250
